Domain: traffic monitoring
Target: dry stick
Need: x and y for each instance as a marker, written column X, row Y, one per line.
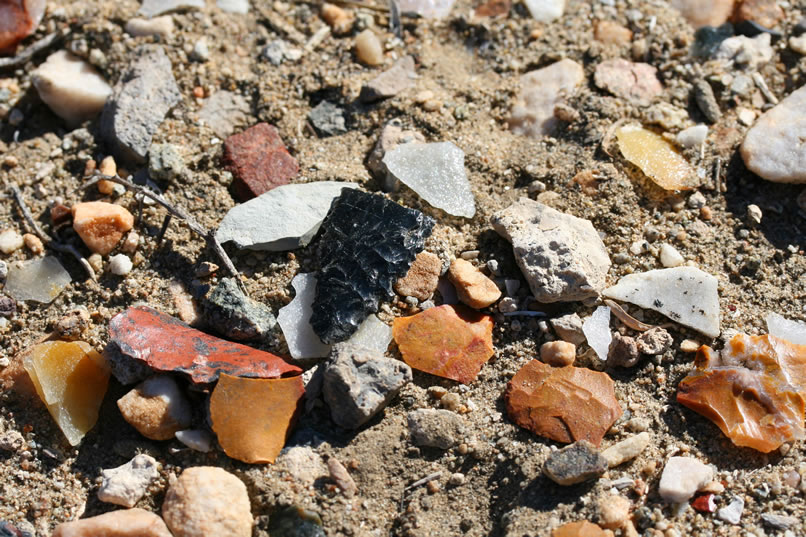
column 49, row 241
column 26, row 54
column 209, row 235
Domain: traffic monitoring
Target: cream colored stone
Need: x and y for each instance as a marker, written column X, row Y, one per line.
column 472, row 287
column 626, row 450
column 558, row 353
column 124, row 523
column 158, row 26
column 368, row 48
column 614, row 511
column 156, row 408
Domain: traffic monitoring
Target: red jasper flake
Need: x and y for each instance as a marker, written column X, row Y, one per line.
column 704, row 503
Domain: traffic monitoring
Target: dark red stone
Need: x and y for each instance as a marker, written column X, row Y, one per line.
column 704, row 503
column 60, row 214
column 258, row 160
column 167, row 344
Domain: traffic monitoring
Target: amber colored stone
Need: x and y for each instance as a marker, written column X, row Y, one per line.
column 167, row 344
column 253, row 417
column 258, row 160
column 447, row 341
column 754, row 390
column 71, row 379
column 656, row 157
column 579, row 529
column 101, row 225
column 565, row 404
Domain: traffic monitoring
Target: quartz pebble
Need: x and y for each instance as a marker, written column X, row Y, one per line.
column 558, row 353
column 626, row 450
column 541, row 91
column 789, row 330
column 746, row 52
column 158, row 26
column 545, row 10
column 473, row 288
column 101, row 225
column 368, row 48
column 670, row 257
column 38, row 280
column 422, row 278
column 686, row 295
column 562, row 256
column 637, row 82
column 682, row 477
column 574, row 464
column 120, row 264
column 10, row 241
column 597, row 331
column 207, row 501
column 240, row 7
column 71, row 87
column 441, row 429
column 732, row 513
column 392, row 135
column 126, row 484
column 693, row 136
column 436, row 172
column 123, row 523
column 156, row 408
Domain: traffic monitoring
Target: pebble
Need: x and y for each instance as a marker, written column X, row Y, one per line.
column 422, row 278
column 368, row 48
column 626, row 450
column 754, row 214
column 623, row 351
column 397, row 78
column 533, row 113
column 153, row 8
column 546, row 10
column 201, row 51
column 611, row 33
column 562, row 257
column 101, row 225
column 558, row 353
column 666, row 115
column 746, row 52
column 732, row 513
column 234, row 315
column 120, row 264
column 472, row 287
column 654, row 341
column 139, row 103
column 574, row 464
column 682, row 477
column 436, row 172
column 614, row 511
column 706, row 101
column 569, row 328
column 158, row 26
column 766, row 13
column 126, row 484
column 71, row 87
column 328, row 119
column 581, row 528
column 295, row 320
column 303, row 464
column 207, row 501
column 670, row 257
column 637, row 82
column 72, row 326
column 258, row 161
column 223, row 111
column 12, row 441
column 123, row 523
column 39, row 280
column 240, row 7
column 700, row 14
column 358, row 383
column 157, row 408
column 10, row 241
column 340, row 21
column 692, row 137
column 457, row 479
column 779, row 522
column 441, row 429
column 341, row 477
column 798, row 44
column 196, row 439
column 772, row 147
column 164, row 162
column 685, row 294
column 745, row 116
column 3, row 271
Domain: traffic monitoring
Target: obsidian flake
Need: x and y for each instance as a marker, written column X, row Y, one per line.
column 367, row 243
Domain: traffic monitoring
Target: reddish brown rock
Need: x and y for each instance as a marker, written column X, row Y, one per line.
column 422, row 278
column 754, row 390
column 18, row 19
column 101, row 225
column 258, row 160
column 447, row 341
column 767, row 13
column 164, row 343
column 565, row 404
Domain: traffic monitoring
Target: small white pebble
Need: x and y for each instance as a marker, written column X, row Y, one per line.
column 10, row 241
column 693, row 136
column 120, row 264
column 670, row 257
column 754, row 213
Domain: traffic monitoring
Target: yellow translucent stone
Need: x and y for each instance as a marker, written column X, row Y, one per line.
column 71, row 379
column 657, row 158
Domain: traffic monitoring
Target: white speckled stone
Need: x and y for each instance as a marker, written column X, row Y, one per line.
column 126, row 484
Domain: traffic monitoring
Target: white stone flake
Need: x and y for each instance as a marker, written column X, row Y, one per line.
column 686, row 295
column 783, row 328
column 541, row 91
column 682, row 477
column 39, row 280
column 545, row 10
column 372, row 334
column 436, row 172
column 597, row 331
column 295, row 320
column 126, row 484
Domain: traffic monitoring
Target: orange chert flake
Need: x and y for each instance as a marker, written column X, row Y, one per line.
column 253, row 417
column 71, row 379
column 447, row 341
column 754, row 390
column 101, row 225
column 565, row 404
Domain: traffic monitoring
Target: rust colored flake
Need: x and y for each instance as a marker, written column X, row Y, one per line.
column 18, row 20
column 253, row 417
column 565, row 404
column 754, row 390
column 447, row 341
column 167, row 344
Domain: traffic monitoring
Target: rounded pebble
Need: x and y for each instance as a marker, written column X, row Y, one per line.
column 120, row 264
column 368, row 48
column 558, row 353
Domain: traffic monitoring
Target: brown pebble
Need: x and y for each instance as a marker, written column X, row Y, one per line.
column 706, row 213
column 612, row 33
column 433, row 487
column 10, row 161
column 437, row 392
column 60, row 213
column 451, row 401
column 198, row 92
column 72, row 326
column 558, row 353
column 472, row 287
column 33, row 243
column 368, row 48
column 340, row 20
column 341, row 477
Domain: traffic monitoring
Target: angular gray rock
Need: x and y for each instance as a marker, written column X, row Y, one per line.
column 391, row 82
column 328, row 119
column 234, row 315
column 569, row 328
column 139, row 103
column 436, row 172
column 358, row 383
column 562, row 256
column 126, row 484
column 574, row 464
column 284, row 218
column 164, row 162
column 435, row 428
column 224, row 111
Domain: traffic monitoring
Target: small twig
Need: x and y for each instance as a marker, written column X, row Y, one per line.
column 626, row 318
column 278, row 24
column 46, row 239
column 178, row 212
column 418, row 483
column 165, row 223
column 26, row 54
column 765, row 90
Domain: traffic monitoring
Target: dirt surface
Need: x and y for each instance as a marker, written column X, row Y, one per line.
column 472, row 69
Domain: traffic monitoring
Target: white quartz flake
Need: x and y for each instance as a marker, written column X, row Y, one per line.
column 682, row 477
column 783, row 328
column 686, row 295
column 436, row 172
column 372, row 334
column 39, row 280
column 597, row 331
column 284, row 218
column 295, row 320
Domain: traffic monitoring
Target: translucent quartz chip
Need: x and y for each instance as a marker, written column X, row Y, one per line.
column 71, row 379
column 657, row 158
column 39, row 280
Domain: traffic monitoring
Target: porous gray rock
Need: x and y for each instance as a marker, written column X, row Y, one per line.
column 359, row 382
column 234, row 315
column 164, row 162
column 441, row 429
column 139, row 103
column 562, row 256
column 654, row 341
column 328, row 119
column 126, row 484
column 391, row 82
column 574, row 464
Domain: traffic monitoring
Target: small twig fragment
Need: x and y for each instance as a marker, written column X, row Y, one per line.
column 26, row 54
column 626, row 318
